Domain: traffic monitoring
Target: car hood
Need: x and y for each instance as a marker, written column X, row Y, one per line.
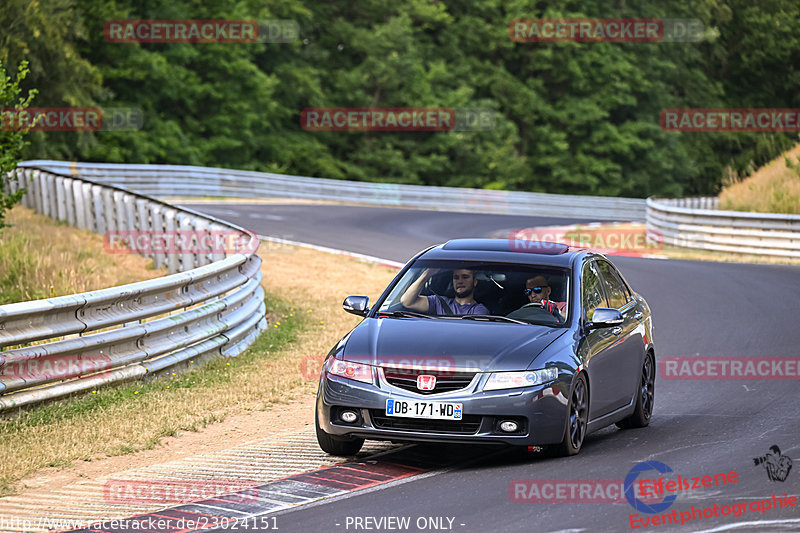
column 452, row 343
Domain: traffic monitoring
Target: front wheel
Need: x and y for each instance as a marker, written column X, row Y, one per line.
column 644, row 398
column 578, row 419
column 333, row 445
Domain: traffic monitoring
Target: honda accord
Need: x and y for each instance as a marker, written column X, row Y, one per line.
column 491, row 341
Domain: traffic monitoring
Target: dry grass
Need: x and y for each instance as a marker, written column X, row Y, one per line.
column 774, row 188
column 305, row 290
column 40, row 258
column 320, row 281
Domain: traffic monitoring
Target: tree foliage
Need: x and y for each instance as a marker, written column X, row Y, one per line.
column 11, row 139
column 570, row 117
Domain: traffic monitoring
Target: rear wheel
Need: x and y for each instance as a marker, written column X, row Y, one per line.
column 334, row 445
column 645, row 396
column 578, row 419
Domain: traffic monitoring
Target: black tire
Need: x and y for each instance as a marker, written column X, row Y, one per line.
column 334, row 445
column 644, row 399
column 577, row 419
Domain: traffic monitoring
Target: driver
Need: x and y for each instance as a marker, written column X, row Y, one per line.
column 464, row 303
column 537, row 289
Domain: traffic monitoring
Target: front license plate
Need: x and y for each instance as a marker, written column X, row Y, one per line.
column 420, row 409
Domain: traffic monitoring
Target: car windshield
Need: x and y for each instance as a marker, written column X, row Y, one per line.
column 498, row 292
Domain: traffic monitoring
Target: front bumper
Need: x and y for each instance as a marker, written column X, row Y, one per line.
column 542, row 409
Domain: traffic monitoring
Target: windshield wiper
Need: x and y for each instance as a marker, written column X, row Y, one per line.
column 404, row 313
column 494, row 318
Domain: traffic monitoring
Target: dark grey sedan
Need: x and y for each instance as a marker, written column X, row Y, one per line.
column 485, row 341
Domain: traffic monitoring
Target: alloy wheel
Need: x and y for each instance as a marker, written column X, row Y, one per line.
column 578, row 415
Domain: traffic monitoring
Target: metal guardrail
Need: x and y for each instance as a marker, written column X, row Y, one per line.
column 695, row 223
column 212, row 304
column 188, row 181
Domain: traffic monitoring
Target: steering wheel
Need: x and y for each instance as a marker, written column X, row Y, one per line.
column 539, row 305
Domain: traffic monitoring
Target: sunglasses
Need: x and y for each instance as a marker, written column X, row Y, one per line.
column 535, row 290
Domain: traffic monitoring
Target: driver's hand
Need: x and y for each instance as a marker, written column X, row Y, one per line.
column 429, row 273
column 549, row 306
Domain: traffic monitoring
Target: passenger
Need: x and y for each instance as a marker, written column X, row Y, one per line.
column 464, row 303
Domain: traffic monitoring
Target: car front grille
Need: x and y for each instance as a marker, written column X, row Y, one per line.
column 446, row 380
column 467, row 426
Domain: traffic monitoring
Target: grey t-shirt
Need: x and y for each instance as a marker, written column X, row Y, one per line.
column 435, row 307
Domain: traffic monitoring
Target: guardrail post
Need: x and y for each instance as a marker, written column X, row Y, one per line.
column 27, row 183
column 61, row 200
column 69, row 200
column 10, row 181
column 46, row 193
column 52, row 194
column 157, row 225
column 217, row 232
column 204, row 238
column 52, row 197
column 120, row 213
column 129, row 208
column 143, row 222
column 39, row 193
column 98, row 219
column 80, row 203
column 187, row 240
column 108, row 210
column 171, row 228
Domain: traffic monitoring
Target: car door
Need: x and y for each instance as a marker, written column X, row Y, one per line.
column 601, row 358
column 628, row 346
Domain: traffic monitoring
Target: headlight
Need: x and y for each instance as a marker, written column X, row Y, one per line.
column 349, row 370
column 513, row 380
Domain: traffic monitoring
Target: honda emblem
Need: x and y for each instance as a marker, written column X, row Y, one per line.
column 426, row 382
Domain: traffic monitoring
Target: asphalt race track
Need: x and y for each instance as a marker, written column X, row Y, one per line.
column 699, row 427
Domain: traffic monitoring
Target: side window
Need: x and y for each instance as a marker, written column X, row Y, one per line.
column 615, row 289
column 591, row 291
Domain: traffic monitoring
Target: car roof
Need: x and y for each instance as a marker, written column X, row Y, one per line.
column 505, row 251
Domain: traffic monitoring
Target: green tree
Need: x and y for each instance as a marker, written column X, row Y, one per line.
column 11, row 137
column 580, row 118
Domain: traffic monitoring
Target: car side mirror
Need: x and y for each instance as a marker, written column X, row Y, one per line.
column 605, row 317
column 358, row 305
